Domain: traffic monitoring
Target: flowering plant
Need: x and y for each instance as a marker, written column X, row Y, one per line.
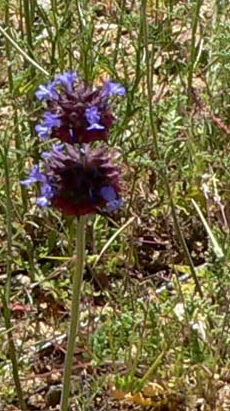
column 73, row 177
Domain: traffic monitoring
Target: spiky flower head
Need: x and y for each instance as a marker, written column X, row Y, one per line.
column 77, row 182
column 76, row 114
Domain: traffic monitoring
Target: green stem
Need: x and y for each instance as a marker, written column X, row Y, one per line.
column 13, row 355
column 17, row 133
column 6, row 295
column 28, row 13
column 193, row 51
column 119, row 31
column 75, row 310
column 152, row 368
column 22, row 52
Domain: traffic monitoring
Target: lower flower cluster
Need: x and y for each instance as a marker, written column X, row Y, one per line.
column 77, row 182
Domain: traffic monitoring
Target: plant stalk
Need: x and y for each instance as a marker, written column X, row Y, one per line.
column 193, row 51
column 6, row 294
column 75, row 311
column 22, row 52
column 152, row 368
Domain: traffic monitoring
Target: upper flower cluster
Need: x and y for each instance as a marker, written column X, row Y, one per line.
column 76, row 114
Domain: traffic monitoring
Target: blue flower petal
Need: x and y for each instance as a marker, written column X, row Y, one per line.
column 93, row 117
column 108, row 193
column 42, row 131
column 114, row 88
column 43, row 201
column 51, row 120
column 34, row 177
column 110, row 196
column 67, row 78
column 57, row 148
column 27, row 182
column 47, row 190
column 46, row 92
column 95, row 126
column 47, row 193
column 92, row 114
column 114, row 205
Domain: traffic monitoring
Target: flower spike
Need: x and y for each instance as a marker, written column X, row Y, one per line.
column 76, row 114
column 74, row 186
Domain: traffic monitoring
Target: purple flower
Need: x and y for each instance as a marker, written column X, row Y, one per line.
column 93, row 117
column 114, row 88
column 114, row 205
column 34, row 177
column 67, row 78
column 51, row 120
column 110, row 196
column 42, row 131
column 46, row 92
column 47, row 192
column 57, row 148
column 42, row 201
column 108, row 193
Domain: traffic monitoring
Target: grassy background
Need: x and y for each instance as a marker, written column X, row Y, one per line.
column 155, row 304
